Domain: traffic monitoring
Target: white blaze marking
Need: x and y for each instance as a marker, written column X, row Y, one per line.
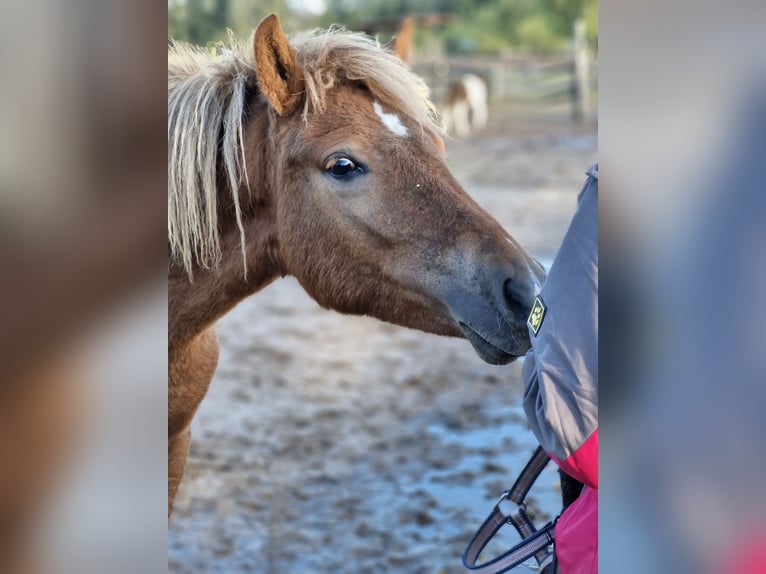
column 391, row 121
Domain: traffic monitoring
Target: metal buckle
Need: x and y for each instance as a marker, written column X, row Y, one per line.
column 506, row 495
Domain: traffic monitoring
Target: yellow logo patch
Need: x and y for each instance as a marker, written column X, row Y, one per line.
column 536, row 316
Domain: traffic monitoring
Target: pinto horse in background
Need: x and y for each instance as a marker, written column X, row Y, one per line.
column 466, row 109
column 320, row 158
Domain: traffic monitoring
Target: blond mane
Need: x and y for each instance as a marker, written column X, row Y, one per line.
column 206, row 109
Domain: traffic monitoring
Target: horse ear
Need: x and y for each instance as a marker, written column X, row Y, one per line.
column 280, row 77
column 402, row 42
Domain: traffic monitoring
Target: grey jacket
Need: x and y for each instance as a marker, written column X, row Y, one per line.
column 561, row 371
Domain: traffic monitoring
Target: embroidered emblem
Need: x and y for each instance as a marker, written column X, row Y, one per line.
column 536, row 316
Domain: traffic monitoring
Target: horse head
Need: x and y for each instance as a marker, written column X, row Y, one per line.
column 370, row 219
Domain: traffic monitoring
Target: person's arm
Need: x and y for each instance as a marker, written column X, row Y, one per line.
column 561, row 371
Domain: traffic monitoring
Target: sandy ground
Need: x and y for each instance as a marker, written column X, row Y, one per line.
column 336, row 444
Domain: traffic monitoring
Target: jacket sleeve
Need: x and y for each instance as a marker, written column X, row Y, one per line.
column 561, row 371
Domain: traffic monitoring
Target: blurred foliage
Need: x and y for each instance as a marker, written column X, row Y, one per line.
column 206, row 22
column 478, row 26
column 591, row 23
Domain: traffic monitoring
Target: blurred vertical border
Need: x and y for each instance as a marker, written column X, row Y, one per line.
column 82, row 287
column 682, row 140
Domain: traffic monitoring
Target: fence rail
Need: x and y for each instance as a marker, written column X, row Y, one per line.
column 509, row 78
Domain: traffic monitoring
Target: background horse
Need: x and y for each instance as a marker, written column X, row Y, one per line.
column 466, row 109
column 321, row 158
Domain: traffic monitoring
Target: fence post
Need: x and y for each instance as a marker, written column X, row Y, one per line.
column 581, row 80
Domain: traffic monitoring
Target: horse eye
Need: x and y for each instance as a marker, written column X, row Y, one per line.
column 342, row 167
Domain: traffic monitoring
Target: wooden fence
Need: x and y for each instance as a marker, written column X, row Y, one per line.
column 507, row 78
column 571, row 77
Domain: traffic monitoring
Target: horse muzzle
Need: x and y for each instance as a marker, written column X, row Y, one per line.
column 491, row 351
column 494, row 319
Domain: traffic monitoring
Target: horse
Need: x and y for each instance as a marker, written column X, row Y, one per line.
column 466, row 108
column 321, row 157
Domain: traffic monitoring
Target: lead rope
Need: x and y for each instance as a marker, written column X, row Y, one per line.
column 535, row 542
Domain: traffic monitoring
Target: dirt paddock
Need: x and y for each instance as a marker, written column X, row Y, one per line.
column 336, row 444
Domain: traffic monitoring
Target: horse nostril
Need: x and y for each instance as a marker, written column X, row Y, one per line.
column 518, row 298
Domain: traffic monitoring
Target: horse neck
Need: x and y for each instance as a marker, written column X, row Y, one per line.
column 194, row 305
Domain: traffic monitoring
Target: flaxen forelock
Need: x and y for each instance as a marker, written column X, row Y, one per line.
column 206, row 101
